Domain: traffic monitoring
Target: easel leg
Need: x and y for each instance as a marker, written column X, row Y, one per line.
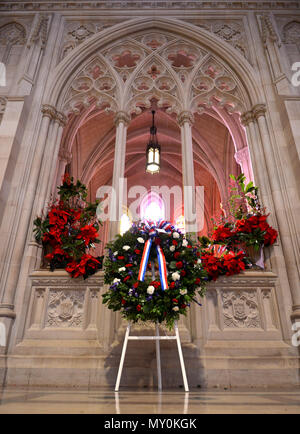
column 186, row 387
column 122, row 359
column 158, row 359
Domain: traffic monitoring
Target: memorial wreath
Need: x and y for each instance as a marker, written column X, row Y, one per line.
column 133, row 264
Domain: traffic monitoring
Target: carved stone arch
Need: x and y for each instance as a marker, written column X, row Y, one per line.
column 291, row 32
column 153, row 78
column 214, row 84
column 95, row 83
column 12, row 33
column 64, row 71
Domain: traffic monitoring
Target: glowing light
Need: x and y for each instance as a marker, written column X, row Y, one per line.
column 153, row 212
column 125, row 224
column 180, row 223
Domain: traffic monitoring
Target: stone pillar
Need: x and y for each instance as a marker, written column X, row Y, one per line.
column 8, row 129
column 64, row 158
column 185, row 120
column 242, row 157
column 121, row 121
column 269, row 182
column 49, row 163
column 11, row 268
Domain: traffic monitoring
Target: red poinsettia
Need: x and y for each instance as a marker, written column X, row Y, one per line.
column 270, row 236
column 221, row 233
column 58, row 217
column 88, row 233
column 83, row 266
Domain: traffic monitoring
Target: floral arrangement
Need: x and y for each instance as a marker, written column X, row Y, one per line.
column 69, row 230
column 228, row 263
column 138, row 293
column 245, row 227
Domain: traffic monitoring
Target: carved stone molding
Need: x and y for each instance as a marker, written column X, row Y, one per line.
column 53, row 114
column 123, row 117
column 242, row 155
column 3, row 102
column 185, row 116
column 49, row 111
column 194, row 5
column 253, row 114
column 65, row 155
column 40, row 30
column 247, row 118
column 267, row 30
column 259, row 110
column 240, row 309
column 65, row 308
column 12, row 34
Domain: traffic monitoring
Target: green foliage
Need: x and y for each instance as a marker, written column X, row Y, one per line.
column 130, row 297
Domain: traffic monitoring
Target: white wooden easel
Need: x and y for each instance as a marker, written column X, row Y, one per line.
column 157, row 338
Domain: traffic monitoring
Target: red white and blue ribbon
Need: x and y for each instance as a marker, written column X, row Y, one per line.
column 152, row 230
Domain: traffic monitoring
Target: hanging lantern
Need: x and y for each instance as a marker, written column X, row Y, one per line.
column 153, row 150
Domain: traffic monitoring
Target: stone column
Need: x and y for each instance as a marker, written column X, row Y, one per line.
column 8, row 129
column 64, row 158
column 11, row 267
column 185, row 120
column 242, row 157
column 269, row 182
column 121, row 121
column 49, row 163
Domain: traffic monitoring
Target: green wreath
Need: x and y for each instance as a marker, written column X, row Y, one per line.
column 146, row 300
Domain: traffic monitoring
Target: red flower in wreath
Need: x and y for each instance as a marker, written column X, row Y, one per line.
column 137, row 251
column 139, row 307
column 176, row 255
column 155, row 283
column 179, row 264
column 126, row 278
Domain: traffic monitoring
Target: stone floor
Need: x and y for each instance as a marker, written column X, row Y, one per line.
column 104, row 401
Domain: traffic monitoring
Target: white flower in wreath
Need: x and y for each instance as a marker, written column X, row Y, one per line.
column 126, row 248
column 150, row 290
column 176, row 235
column 185, row 243
column 130, row 291
column 116, row 280
column 141, row 240
column 176, row 308
column 172, row 248
column 175, row 276
column 199, row 261
column 122, row 269
column 183, row 291
column 115, row 253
